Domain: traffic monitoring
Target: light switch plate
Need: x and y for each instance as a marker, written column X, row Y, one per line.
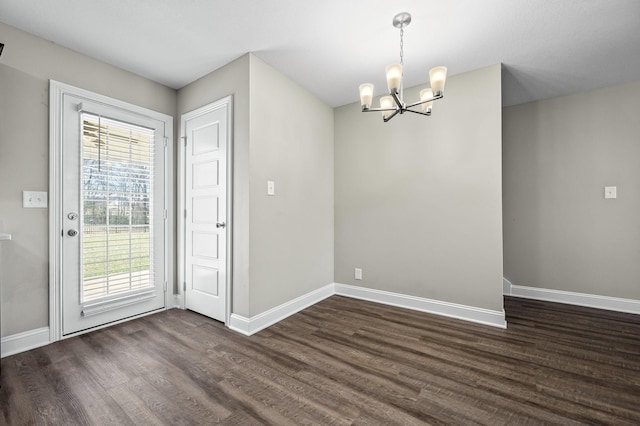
column 34, row 199
column 271, row 187
column 610, row 192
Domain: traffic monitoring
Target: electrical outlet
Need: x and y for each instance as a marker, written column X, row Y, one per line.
column 34, row 199
column 358, row 273
column 271, row 187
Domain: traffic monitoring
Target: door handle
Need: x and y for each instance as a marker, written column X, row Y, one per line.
column 220, row 225
column 72, row 232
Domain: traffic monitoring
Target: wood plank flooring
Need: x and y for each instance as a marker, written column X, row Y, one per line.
column 340, row 362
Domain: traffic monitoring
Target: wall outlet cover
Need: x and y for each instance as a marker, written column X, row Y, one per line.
column 358, row 274
column 610, row 192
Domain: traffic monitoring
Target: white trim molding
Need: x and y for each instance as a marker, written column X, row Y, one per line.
column 25, row 341
column 506, row 287
column 241, row 324
column 57, row 94
column 249, row 326
column 178, row 302
column 452, row 310
column 618, row 304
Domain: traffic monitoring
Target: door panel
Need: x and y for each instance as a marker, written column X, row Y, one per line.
column 206, row 134
column 113, row 213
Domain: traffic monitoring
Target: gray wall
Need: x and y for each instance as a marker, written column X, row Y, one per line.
column 26, row 65
column 291, row 232
column 282, row 244
column 418, row 201
column 559, row 231
column 232, row 79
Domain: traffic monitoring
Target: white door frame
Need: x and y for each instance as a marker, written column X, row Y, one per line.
column 57, row 91
column 228, row 102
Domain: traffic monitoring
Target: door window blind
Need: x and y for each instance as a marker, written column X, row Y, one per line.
column 117, row 208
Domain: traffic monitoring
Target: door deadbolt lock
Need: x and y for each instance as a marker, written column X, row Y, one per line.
column 72, row 216
column 72, row 232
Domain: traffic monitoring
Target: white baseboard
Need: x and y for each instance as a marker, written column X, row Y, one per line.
column 39, row 337
column 241, row 324
column 506, row 287
column 22, row 342
column 249, row 326
column 452, row 310
column 630, row 306
column 178, row 301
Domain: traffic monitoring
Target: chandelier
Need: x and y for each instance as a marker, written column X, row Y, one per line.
column 394, row 104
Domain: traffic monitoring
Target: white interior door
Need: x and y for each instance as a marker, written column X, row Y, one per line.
column 206, row 136
column 113, row 214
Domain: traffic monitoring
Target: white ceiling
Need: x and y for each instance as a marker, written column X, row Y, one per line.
column 548, row 47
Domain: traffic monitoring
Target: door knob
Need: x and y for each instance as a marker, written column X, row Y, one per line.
column 220, row 225
column 72, row 232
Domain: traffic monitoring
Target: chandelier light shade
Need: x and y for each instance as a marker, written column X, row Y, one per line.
column 394, row 77
column 425, row 95
column 386, row 106
column 437, row 77
column 394, row 104
column 366, row 94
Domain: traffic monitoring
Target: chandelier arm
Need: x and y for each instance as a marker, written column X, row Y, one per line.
column 435, row 98
column 398, row 100
column 378, row 109
column 418, row 112
column 391, row 116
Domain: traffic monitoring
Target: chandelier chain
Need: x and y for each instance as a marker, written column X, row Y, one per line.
column 402, row 46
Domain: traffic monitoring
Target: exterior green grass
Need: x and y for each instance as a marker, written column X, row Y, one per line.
column 128, row 251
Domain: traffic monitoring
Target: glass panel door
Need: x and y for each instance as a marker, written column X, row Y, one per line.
column 113, row 212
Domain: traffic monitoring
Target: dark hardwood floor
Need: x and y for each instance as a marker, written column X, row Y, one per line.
column 342, row 361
